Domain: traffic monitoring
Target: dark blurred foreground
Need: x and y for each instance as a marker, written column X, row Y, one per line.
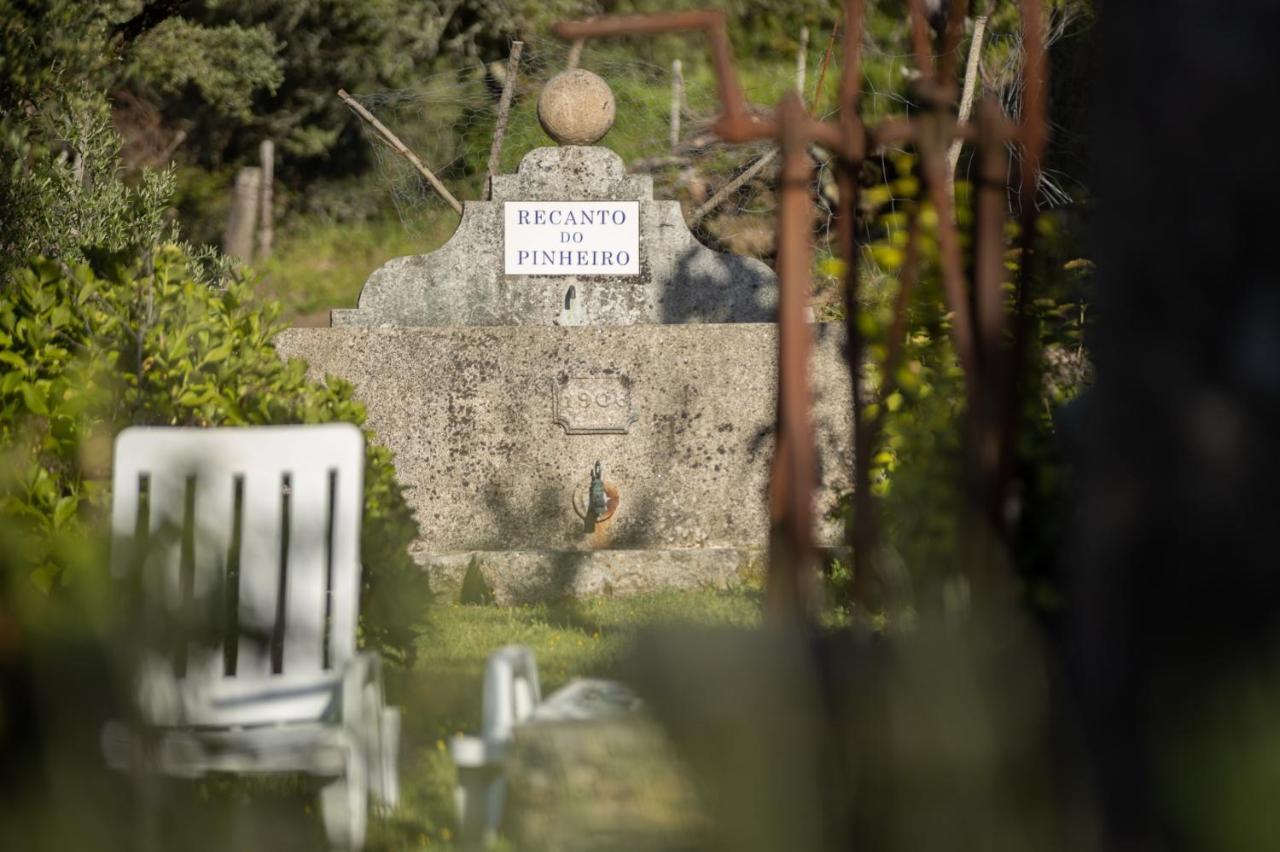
column 1147, row 717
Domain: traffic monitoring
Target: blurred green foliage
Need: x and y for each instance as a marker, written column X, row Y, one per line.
column 60, row 182
column 918, row 468
column 92, row 347
column 221, row 68
column 313, row 48
column 61, row 203
column 111, row 324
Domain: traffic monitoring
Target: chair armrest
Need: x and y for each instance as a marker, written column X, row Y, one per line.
column 477, row 752
column 360, row 670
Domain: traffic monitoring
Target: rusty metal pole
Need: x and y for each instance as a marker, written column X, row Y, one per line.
column 864, row 532
column 792, row 590
column 990, row 206
column 988, row 450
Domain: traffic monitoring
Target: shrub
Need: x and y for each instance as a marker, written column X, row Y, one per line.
column 917, row 470
column 126, row 339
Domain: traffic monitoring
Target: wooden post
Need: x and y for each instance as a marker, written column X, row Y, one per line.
column 677, row 100
column 266, row 210
column 802, row 60
column 575, row 54
column 504, row 108
column 243, row 215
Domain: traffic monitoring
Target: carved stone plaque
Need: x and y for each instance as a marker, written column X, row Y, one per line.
column 592, row 405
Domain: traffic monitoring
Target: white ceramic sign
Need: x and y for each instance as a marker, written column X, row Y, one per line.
column 571, row 237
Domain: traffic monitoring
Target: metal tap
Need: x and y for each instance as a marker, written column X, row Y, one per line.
column 597, row 500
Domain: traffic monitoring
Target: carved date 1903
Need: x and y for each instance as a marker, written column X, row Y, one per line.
column 592, row 405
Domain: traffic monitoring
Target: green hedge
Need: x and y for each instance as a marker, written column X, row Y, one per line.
column 90, row 349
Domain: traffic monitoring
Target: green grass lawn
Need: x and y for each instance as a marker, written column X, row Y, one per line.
column 439, row 696
column 319, row 265
column 441, row 693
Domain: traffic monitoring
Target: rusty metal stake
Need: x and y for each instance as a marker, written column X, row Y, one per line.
column 792, row 590
column 978, row 317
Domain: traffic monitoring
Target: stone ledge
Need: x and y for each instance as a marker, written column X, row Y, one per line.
column 510, row 577
column 528, row 576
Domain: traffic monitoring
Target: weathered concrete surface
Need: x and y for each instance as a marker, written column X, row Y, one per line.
column 591, row 769
column 486, row 426
column 463, row 282
column 604, row 784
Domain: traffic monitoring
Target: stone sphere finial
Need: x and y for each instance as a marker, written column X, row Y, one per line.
column 576, row 107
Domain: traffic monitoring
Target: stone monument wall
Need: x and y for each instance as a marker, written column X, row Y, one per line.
column 573, row 320
column 495, row 432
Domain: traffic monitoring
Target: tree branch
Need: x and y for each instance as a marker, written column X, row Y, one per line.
column 970, row 90
column 153, row 13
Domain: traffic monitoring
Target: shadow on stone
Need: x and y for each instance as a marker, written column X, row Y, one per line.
column 714, row 287
column 475, row 590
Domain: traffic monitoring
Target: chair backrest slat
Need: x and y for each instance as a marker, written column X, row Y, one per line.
column 348, row 508
column 214, row 524
column 306, row 570
column 126, row 505
column 261, row 542
column 239, row 477
column 166, row 492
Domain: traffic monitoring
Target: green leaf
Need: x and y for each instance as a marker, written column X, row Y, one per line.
column 832, row 267
column 13, row 359
column 194, row 397
column 59, row 316
column 63, row 510
column 220, row 353
column 34, row 399
column 44, row 577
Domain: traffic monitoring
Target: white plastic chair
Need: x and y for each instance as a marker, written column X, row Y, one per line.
column 244, row 544
column 512, row 698
column 511, row 694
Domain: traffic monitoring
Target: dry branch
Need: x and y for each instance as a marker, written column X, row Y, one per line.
column 402, row 149
column 504, row 109
column 677, row 100
column 575, row 54
column 802, row 59
column 731, row 187
column 970, row 89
